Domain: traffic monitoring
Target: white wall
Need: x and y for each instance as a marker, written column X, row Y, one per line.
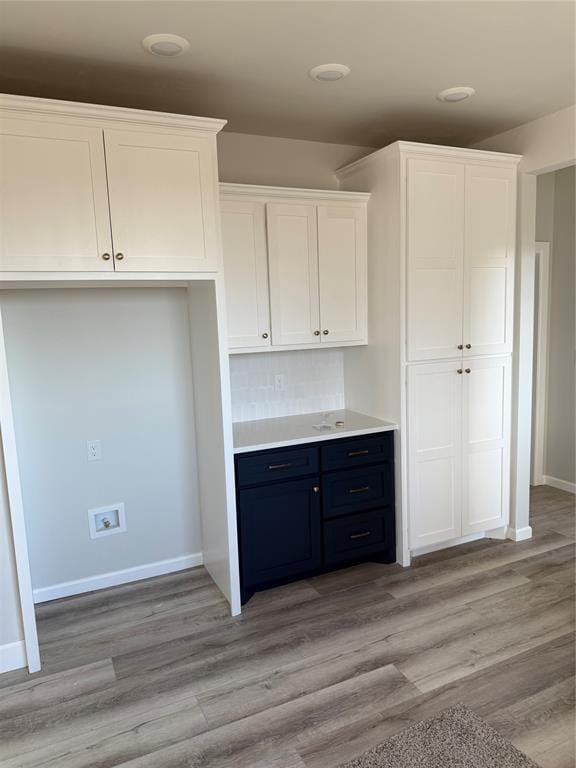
column 313, row 381
column 249, row 159
column 112, row 365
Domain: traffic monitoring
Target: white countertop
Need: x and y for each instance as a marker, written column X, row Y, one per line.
column 293, row 430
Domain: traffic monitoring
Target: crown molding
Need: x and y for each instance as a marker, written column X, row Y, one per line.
column 290, row 193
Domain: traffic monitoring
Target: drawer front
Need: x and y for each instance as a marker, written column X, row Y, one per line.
column 280, row 531
column 355, row 453
column 356, row 490
column 351, row 538
column 272, row 466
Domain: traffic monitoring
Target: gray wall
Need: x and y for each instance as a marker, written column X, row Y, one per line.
column 112, row 365
column 555, row 224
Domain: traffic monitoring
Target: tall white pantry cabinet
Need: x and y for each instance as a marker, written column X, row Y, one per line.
column 441, row 244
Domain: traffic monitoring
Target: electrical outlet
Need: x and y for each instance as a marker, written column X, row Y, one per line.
column 279, row 382
column 94, row 450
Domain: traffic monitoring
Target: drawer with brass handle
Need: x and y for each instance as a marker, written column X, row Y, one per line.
column 271, row 466
column 347, row 538
column 358, row 452
column 357, row 490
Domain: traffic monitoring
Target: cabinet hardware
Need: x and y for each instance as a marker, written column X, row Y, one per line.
column 363, row 489
column 316, row 489
column 106, row 256
column 360, row 535
column 468, row 370
column 325, row 332
column 468, row 346
column 358, row 453
column 459, row 370
column 264, row 335
column 279, row 466
column 460, row 346
column 316, row 333
column 119, row 256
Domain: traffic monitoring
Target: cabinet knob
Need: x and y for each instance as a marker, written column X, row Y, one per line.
column 264, row 335
column 459, row 370
column 119, row 256
column 468, row 346
column 316, row 333
column 106, row 256
column 460, row 346
column 325, row 332
column 468, row 370
column 316, row 489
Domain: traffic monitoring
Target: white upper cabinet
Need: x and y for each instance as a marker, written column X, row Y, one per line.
column 53, row 198
column 342, row 270
column 490, row 223
column 293, row 258
column 435, row 258
column 162, row 191
column 246, row 270
column 486, row 443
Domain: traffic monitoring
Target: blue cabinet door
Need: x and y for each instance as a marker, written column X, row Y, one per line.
column 280, row 531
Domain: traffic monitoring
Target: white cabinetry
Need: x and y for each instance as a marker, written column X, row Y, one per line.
column 313, row 276
column 88, row 189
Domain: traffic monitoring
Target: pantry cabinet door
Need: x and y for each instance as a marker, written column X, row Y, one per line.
column 434, row 248
column 53, row 198
column 293, row 263
column 434, row 453
column 342, row 269
column 489, row 259
column 486, row 443
column 245, row 273
column 163, row 201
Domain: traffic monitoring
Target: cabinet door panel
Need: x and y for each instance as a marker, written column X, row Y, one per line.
column 245, row 273
column 486, row 443
column 435, row 242
column 163, row 201
column 342, row 269
column 293, row 263
column 489, row 259
column 434, row 453
column 279, row 531
column 54, row 200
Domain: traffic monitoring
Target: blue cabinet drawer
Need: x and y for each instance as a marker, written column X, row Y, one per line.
column 350, row 538
column 356, row 490
column 358, row 452
column 273, row 466
column 280, row 531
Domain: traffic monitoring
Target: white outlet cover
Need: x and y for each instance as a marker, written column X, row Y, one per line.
column 114, row 513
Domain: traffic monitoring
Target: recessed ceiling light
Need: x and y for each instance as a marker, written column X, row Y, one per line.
column 329, row 73
column 165, row 44
column 459, row 93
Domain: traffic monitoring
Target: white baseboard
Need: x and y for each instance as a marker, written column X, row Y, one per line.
column 562, row 485
column 12, row 656
column 519, row 534
column 446, row 544
column 115, row 578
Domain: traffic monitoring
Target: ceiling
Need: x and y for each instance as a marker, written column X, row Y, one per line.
column 248, row 62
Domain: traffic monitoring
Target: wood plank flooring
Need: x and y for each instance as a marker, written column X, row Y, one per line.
column 157, row 674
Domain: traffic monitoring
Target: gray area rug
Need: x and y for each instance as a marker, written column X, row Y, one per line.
column 456, row 738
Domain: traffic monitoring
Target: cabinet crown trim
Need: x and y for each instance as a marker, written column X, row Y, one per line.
column 315, row 195
column 435, row 150
column 71, row 109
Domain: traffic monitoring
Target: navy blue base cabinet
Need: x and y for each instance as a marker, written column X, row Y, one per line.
column 308, row 509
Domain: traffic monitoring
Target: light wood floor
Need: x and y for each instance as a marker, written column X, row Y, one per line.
column 156, row 674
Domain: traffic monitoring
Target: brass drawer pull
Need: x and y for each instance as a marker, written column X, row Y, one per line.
column 279, row 466
column 362, row 535
column 363, row 489
column 358, row 453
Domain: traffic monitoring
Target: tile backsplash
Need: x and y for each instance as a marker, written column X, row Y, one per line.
column 311, row 380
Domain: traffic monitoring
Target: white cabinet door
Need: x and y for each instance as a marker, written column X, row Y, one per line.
column 342, row 268
column 53, row 198
column 163, row 201
column 486, row 443
column 434, row 453
column 293, row 263
column 489, row 259
column 435, row 248
column 245, row 273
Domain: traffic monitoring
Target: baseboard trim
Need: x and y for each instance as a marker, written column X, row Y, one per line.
column 115, row 578
column 562, row 485
column 12, row 656
column 447, row 544
column 519, row 534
